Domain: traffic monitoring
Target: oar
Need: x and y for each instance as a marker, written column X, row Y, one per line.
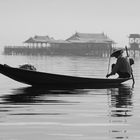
column 131, row 68
column 109, row 61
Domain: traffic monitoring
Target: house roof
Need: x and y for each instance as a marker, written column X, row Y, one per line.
column 134, row 36
column 76, row 38
column 39, row 39
column 30, row 40
column 90, row 37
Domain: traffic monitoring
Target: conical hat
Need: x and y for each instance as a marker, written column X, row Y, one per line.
column 117, row 52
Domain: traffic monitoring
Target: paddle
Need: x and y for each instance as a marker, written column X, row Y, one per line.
column 131, row 70
column 109, row 61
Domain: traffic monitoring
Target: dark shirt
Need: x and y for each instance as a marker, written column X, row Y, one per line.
column 122, row 65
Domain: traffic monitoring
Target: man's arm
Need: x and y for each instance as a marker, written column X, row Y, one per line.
column 115, row 69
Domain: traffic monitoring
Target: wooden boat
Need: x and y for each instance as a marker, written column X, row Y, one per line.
column 36, row 78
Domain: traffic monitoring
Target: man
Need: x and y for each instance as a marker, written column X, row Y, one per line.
column 122, row 66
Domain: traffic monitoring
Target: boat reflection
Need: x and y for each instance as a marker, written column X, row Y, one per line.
column 120, row 110
column 121, row 101
column 34, row 95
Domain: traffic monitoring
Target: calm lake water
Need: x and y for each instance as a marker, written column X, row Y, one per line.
column 28, row 113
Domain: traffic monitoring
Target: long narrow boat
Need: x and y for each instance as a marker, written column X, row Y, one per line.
column 36, row 78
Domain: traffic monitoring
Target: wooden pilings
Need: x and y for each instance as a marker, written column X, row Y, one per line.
column 61, row 49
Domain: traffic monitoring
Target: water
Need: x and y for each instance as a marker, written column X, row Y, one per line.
column 28, row 113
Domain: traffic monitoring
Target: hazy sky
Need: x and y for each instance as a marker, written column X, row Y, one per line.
column 21, row 19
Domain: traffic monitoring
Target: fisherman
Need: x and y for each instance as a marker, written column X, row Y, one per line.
column 122, row 66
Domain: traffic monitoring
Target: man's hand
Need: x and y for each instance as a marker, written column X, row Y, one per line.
column 107, row 75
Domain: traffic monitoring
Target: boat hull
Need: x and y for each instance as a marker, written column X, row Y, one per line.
column 36, row 78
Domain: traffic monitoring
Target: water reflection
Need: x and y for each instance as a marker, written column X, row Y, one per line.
column 35, row 101
column 36, row 95
column 121, row 101
column 120, row 110
column 63, row 106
